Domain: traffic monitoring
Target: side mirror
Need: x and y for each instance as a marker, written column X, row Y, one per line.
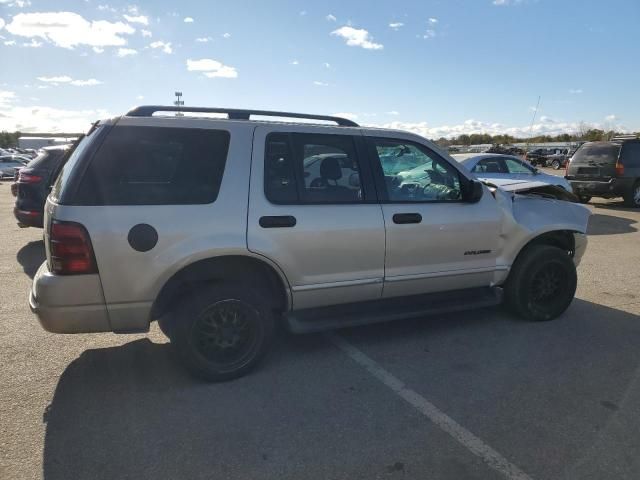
column 475, row 190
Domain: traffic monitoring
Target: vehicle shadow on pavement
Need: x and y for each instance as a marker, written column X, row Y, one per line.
column 610, row 225
column 130, row 412
column 31, row 257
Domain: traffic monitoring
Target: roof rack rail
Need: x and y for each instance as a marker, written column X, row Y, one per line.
column 235, row 114
column 625, row 137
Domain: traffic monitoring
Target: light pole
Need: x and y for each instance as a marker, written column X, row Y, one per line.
column 178, row 103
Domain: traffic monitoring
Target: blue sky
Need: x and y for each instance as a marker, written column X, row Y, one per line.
column 437, row 67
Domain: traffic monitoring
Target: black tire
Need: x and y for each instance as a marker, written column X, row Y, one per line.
column 555, row 165
column 223, row 331
column 632, row 197
column 584, row 198
column 542, row 283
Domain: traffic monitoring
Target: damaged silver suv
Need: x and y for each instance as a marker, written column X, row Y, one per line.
column 219, row 228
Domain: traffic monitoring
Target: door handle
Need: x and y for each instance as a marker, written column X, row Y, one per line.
column 402, row 218
column 277, row 221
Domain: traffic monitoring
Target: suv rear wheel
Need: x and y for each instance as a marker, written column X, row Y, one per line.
column 632, row 198
column 555, row 164
column 223, row 331
column 542, row 283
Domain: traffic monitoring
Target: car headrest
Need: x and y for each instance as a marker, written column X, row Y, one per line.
column 330, row 169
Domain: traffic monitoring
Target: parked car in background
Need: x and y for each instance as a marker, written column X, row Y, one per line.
column 9, row 163
column 607, row 170
column 492, row 167
column 33, row 183
column 537, row 157
column 558, row 159
column 222, row 228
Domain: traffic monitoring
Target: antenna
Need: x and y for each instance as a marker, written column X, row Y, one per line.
column 535, row 112
column 179, row 103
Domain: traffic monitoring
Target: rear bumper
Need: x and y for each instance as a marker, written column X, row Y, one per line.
column 28, row 218
column 615, row 187
column 68, row 304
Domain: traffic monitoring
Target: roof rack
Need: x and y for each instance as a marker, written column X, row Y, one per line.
column 235, row 114
column 625, row 137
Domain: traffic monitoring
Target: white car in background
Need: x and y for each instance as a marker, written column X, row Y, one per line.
column 503, row 170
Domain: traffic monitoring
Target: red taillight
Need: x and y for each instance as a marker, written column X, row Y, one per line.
column 26, row 177
column 619, row 169
column 70, row 249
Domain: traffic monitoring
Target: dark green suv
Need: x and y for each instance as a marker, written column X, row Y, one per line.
column 607, row 170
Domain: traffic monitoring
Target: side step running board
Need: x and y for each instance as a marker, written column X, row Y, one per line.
column 376, row 311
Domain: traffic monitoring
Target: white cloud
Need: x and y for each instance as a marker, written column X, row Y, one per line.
column 303, row 13
column 188, row 20
column 1, row 23
column 432, row 21
column 396, row 25
column 331, row 18
column 429, row 33
column 357, row 37
column 294, row 62
column 126, row 52
column 46, row 119
column 165, row 46
column 393, row 112
column 140, row 97
column 226, row 35
column 68, row 29
column 10, row 43
column 145, row 33
column 66, row 79
column 6, row 97
column 610, row 118
column 105, row 7
column 33, row 43
column 504, row 3
column 58, row 79
column 204, row 39
column 139, row 19
column 98, row 49
column 320, row 84
column 86, row 83
column 211, row 68
column 575, row 91
column 326, row 65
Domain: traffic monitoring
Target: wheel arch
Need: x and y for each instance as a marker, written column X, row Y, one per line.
column 563, row 239
column 249, row 270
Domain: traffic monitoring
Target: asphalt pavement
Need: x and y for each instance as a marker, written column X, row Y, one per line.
column 474, row 395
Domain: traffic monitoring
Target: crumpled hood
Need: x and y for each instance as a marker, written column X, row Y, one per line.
column 526, row 187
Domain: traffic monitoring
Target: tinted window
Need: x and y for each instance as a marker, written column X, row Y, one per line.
column 311, row 168
column 48, row 159
column 631, row 154
column 62, row 179
column 596, row 154
column 412, row 173
column 156, row 166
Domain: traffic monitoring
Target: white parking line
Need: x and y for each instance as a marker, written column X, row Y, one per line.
column 463, row 436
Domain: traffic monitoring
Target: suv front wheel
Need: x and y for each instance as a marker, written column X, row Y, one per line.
column 221, row 332
column 542, row 283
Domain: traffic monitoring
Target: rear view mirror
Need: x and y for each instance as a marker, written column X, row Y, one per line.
column 474, row 191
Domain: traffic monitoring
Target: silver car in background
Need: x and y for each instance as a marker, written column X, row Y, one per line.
column 496, row 168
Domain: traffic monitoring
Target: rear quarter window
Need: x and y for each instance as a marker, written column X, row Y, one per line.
column 155, row 166
column 631, row 154
column 47, row 160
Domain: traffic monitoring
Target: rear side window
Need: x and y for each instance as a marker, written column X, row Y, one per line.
column 47, row 160
column 596, row 154
column 631, row 154
column 155, row 166
column 305, row 168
